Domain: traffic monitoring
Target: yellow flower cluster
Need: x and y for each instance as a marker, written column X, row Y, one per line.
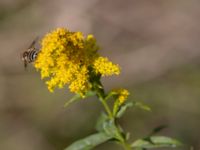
column 122, row 95
column 106, row 68
column 67, row 58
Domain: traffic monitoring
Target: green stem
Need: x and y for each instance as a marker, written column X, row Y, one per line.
column 101, row 95
column 121, row 138
column 125, row 145
column 106, row 108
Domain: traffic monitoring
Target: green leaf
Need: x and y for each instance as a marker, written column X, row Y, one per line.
column 102, row 120
column 107, row 125
column 123, row 109
column 120, row 110
column 110, row 129
column 142, row 106
column 156, row 142
column 78, row 97
column 73, row 99
column 89, row 142
column 158, row 129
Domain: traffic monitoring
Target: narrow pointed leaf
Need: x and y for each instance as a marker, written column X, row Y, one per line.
column 123, row 109
column 73, row 99
column 142, row 106
column 101, row 122
column 158, row 129
column 78, row 97
column 89, row 142
column 110, row 129
column 156, row 142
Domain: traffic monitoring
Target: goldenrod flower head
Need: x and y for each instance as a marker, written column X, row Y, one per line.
column 122, row 95
column 67, row 58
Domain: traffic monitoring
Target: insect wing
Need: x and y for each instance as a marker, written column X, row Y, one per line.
column 33, row 43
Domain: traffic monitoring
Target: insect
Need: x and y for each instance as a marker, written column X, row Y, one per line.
column 29, row 55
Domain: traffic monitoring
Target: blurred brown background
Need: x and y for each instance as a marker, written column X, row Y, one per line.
column 156, row 42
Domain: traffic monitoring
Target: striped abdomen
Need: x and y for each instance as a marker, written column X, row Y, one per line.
column 32, row 55
column 29, row 56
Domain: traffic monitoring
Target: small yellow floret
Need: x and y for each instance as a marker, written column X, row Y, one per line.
column 105, row 67
column 122, row 95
